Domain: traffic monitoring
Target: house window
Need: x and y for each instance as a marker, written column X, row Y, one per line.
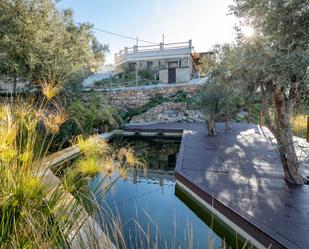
column 132, row 66
column 149, row 65
column 173, row 64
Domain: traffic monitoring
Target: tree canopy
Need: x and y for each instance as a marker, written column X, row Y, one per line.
column 272, row 64
column 39, row 42
column 220, row 97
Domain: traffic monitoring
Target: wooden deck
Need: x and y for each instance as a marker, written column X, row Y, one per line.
column 239, row 174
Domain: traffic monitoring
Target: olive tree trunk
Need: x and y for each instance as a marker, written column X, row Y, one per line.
column 283, row 109
column 211, row 126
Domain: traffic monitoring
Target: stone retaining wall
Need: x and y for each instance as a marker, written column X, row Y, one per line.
column 169, row 112
column 126, row 100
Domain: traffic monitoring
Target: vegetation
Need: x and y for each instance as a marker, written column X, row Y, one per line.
column 299, row 125
column 42, row 45
column 180, row 96
column 38, row 43
column 220, row 97
column 36, row 210
column 273, row 65
column 87, row 118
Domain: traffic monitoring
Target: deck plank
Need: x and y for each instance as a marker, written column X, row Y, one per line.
column 241, row 169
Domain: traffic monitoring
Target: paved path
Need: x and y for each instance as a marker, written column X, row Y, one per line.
column 241, row 171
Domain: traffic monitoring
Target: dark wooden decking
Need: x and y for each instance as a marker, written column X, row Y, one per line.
column 239, row 174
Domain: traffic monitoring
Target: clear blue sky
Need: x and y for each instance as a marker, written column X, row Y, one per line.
column 204, row 21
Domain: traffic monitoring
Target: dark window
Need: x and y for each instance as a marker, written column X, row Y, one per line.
column 149, row 65
column 132, row 66
column 180, row 63
column 173, row 64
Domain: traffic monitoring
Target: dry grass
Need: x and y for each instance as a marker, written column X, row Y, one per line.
column 299, row 124
column 36, row 209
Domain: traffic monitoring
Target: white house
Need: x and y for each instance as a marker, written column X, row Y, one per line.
column 169, row 63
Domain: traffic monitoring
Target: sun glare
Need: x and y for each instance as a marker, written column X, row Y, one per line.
column 248, row 31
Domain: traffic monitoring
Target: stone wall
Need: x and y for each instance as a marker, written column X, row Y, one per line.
column 169, row 112
column 125, row 100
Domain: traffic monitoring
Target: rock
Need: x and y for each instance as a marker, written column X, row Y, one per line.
column 169, row 112
column 242, row 115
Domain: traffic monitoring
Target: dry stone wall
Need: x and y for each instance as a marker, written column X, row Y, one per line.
column 169, row 112
column 126, row 100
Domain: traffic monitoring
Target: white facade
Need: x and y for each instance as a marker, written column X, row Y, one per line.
column 171, row 63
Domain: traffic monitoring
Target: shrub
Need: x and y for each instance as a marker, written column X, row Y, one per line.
column 87, row 119
column 36, row 209
column 145, row 74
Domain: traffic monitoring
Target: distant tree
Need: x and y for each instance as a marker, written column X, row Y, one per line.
column 219, row 97
column 274, row 63
column 40, row 43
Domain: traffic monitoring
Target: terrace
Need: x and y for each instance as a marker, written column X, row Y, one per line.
column 162, row 50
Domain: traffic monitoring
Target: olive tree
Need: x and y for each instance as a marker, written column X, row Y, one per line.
column 220, row 96
column 40, row 43
column 274, row 63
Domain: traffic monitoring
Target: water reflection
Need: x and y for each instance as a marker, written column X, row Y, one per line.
column 153, row 210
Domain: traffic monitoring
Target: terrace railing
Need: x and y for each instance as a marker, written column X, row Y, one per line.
column 152, row 50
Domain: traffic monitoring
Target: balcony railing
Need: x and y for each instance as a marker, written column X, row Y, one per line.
column 159, row 50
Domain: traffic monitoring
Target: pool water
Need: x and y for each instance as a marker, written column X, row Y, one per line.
column 153, row 210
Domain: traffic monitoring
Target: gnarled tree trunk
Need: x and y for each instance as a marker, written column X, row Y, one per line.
column 282, row 130
column 211, row 125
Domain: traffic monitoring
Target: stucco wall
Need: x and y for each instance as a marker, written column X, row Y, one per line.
column 163, row 76
column 183, row 70
column 183, row 74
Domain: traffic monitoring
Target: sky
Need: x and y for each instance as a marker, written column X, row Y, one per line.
column 206, row 22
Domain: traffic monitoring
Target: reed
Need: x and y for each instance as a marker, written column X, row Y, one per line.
column 37, row 209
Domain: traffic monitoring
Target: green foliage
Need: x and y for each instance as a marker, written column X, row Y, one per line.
column 31, row 212
column 275, row 60
column 274, row 63
column 86, row 119
column 37, row 209
column 145, row 74
column 40, row 43
column 220, row 98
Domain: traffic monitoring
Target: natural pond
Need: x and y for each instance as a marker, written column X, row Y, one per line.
column 153, row 210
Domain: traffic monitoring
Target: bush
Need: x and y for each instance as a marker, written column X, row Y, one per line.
column 38, row 210
column 87, row 119
column 145, row 74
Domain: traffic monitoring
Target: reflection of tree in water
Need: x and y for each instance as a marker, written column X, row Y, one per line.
column 158, row 153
